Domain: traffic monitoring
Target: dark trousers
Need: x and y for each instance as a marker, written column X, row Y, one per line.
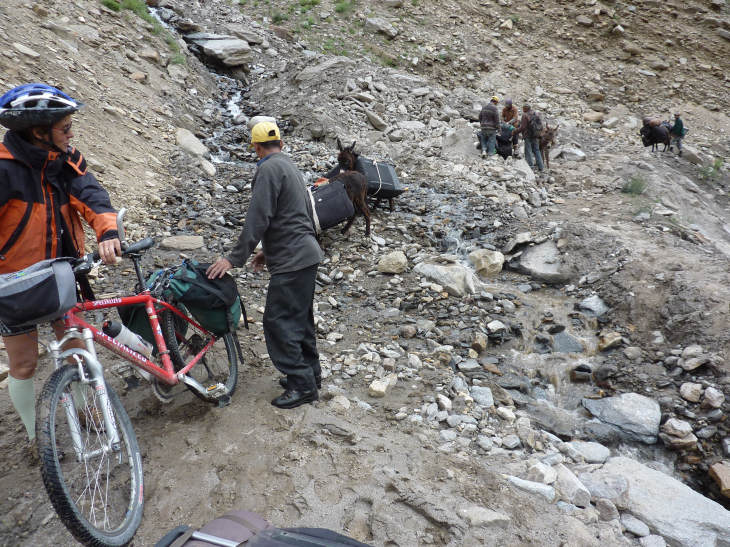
column 289, row 326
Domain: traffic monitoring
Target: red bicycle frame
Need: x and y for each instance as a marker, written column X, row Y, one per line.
column 166, row 372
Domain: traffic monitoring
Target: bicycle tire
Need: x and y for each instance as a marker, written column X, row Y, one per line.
column 122, row 483
column 186, row 342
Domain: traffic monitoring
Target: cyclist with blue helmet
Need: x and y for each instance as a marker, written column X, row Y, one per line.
column 45, row 189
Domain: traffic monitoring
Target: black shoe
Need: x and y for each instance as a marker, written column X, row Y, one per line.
column 284, row 382
column 293, row 398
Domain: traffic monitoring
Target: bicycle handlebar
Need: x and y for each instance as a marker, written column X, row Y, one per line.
column 86, row 263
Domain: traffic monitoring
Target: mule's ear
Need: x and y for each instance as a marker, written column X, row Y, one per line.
column 339, row 144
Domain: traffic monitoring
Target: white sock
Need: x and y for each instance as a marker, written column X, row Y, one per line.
column 22, row 394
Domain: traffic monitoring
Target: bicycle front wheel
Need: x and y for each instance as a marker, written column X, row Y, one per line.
column 217, row 370
column 97, row 491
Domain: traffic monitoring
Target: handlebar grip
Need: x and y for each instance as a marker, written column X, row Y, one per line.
column 142, row 245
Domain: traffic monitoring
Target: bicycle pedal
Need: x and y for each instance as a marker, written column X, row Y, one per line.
column 216, row 391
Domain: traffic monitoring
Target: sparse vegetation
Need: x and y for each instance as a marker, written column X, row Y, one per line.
column 635, row 186
column 711, row 172
column 307, row 5
column 111, row 4
column 279, row 17
column 345, row 6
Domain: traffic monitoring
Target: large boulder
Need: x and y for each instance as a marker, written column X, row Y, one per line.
column 486, row 262
column 670, row 509
column 459, row 143
column 228, row 50
column 314, row 74
column 189, row 142
column 543, row 262
column 636, row 417
column 454, row 278
column 393, row 263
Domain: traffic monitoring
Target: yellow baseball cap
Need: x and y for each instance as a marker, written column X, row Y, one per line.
column 495, row 98
column 265, row 132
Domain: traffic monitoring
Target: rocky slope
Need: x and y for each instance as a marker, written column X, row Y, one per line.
column 508, row 360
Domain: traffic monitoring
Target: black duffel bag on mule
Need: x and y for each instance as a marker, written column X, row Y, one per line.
column 330, row 205
column 248, row 529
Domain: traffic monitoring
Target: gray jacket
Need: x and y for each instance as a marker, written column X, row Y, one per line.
column 489, row 117
column 278, row 216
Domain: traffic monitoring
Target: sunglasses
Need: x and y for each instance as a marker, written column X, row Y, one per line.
column 66, row 129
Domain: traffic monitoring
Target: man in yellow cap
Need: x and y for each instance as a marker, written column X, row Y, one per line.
column 279, row 215
column 489, row 122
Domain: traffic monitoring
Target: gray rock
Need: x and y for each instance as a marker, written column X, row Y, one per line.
column 182, row 243
column 481, row 516
column 482, row 396
column 511, row 442
column 570, row 488
column 670, row 508
column 637, row 417
column 606, row 509
column 448, row 435
column 228, row 50
column 189, row 142
column 652, row 541
column 541, row 472
column 469, row 365
column 691, row 392
column 634, row 525
column 566, row 343
column 714, row 398
column 484, row 442
column 380, row 25
column 632, row 353
column 393, row 263
column 454, row 278
column 594, row 305
column 486, row 262
column 459, row 144
column 312, row 75
column 590, row 451
column 557, row 420
column 537, row 488
column 376, row 121
column 605, row 485
column 543, row 262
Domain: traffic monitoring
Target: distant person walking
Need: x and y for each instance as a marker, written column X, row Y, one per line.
column 677, row 133
column 531, row 129
column 489, row 122
column 511, row 116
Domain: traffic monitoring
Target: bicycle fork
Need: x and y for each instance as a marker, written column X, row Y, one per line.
column 95, row 379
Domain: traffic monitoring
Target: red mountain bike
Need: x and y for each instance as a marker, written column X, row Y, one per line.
column 90, row 460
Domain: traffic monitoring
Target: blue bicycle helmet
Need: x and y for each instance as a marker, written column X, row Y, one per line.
column 34, row 105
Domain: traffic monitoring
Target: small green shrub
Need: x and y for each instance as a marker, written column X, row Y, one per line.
column 345, row 6
column 307, row 5
column 711, row 172
column 278, row 17
column 178, row 59
column 111, row 4
column 634, row 186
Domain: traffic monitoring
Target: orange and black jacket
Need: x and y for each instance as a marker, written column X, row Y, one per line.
column 42, row 197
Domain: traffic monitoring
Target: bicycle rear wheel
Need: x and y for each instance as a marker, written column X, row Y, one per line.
column 217, row 369
column 99, row 496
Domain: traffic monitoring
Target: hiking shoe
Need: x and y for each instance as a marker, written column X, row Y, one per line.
column 680, row 153
column 31, row 453
column 293, row 398
column 284, row 382
column 484, row 153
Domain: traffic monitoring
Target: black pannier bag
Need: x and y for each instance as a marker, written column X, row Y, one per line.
column 41, row 292
column 330, row 205
column 382, row 180
column 251, row 530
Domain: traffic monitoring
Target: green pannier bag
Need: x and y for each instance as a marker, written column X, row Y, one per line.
column 214, row 303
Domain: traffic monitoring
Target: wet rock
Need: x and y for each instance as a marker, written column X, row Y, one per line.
column 720, row 473
column 393, row 263
column 636, row 416
column 669, row 507
column 565, row 343
column 594, row 305
column 691, row 392
column 189, row 142
column 454, row 278
column 480, row 342
column 486, row 262
column 570, row 488
column 714, row 398
column 557, row 420
column 634, row 525
column 182, row 243
column 543, row 262
column 482, row 396
column 483, row 517
column 590, row 451
column 381, row 386
column 536, row 488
